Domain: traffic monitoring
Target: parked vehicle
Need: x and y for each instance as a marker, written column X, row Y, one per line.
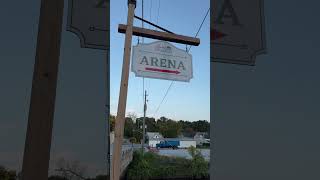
column 168, row 144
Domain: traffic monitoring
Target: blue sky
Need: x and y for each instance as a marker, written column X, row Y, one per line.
column 186, row 101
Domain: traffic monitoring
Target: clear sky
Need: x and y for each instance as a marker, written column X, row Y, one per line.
column 185, row 101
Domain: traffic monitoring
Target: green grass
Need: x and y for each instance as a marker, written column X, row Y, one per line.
column 150, row 165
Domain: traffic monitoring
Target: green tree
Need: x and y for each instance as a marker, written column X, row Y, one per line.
column 112, row 120
column 128, row 127
column 151, row 125
column 201, row 126
column 168, row 128
column 137, row 135
column 188, row 132
column 6, row 174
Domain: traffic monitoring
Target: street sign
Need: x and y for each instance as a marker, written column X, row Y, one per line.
column 161, row 60
column 238, row 31
column 89, row 20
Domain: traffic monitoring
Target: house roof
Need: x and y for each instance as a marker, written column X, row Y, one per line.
column 154, row 136
column 201, row 134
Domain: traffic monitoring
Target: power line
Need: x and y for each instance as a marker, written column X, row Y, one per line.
column 150, row 12
column 158, row 11
column 187, row 51
column 200, row 26
column 163, row 98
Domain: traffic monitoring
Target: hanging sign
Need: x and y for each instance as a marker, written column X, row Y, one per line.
column 238, row 31
column 90, row 21
column 161, row 60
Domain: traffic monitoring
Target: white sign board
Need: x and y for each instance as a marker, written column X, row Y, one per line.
column 161, row 60
column 238, row 31
column 90, row 21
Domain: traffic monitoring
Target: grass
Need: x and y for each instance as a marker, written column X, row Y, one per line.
column 152, row 166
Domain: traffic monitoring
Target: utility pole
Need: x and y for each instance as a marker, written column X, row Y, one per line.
column 144, row 121
column 42, row 103
column 120, row 119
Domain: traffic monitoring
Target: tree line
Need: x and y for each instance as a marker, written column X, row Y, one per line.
column 167, row 127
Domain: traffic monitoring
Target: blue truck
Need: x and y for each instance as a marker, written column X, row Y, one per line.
column 168, row 144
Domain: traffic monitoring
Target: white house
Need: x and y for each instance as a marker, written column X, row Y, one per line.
column 154, row 138
column 111, row 137
column 200, row 138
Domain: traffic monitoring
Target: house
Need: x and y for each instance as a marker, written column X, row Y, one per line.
column 154, row 138
column 200, row 138
column 111, row 137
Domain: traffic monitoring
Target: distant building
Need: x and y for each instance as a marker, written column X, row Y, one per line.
column 111, row 137
column 200, row 138
column 154, row 138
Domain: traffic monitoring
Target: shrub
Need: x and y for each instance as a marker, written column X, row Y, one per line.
column 139, row 168
column 199, row 167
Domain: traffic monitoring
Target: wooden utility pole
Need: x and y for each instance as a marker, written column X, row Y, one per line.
column 144, row 122
column 41, row 113
column 120, row 119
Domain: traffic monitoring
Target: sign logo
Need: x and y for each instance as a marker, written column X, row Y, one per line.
column 161, row 60
column 238, row 33
column 163, row 48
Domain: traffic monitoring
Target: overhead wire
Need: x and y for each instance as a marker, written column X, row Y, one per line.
column 201, row 25
column 157, row 22
column 158, row 12
column 150, row 13
column 142, row 25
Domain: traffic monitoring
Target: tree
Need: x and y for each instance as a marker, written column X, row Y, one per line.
column 188, row 132
column 201, row 126
column 137, row 135
column 168, row 128
column 151, row 125
column 132, row 115
column 128, row 127
column 112, row 120
column 6, row 174
column 190, row 128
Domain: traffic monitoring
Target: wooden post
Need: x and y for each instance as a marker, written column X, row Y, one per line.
column 120, row 119
column 41, row 113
